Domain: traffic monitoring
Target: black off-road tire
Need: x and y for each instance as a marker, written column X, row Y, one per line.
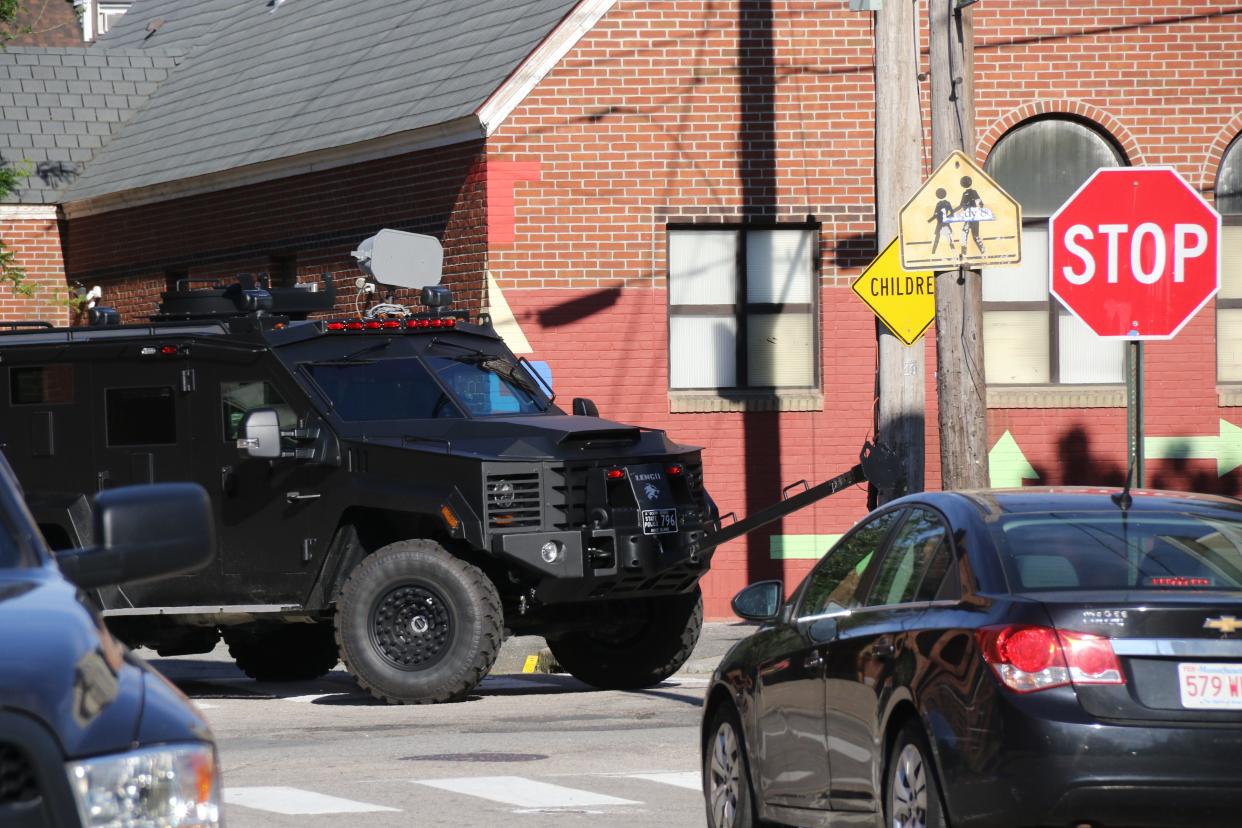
column 282, row 652
column 416, row 625
column 633, row 644
column 911, row 787
column 727, row 790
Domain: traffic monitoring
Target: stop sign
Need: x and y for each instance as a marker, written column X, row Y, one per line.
column 1135, row 253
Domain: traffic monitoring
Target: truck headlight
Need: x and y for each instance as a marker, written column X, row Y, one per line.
column 171, row 786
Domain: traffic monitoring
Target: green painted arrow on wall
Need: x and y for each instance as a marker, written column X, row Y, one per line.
column 1225, row 448
column 1007, row 465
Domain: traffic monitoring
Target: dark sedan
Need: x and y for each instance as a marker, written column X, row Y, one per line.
column 1033, row 657
column 90, row 736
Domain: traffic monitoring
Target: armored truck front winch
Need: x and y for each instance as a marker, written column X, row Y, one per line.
column 396, row 491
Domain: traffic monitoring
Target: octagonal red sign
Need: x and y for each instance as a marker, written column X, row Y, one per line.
column 1135, row 252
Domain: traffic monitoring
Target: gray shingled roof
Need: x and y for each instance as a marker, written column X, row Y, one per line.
column 310, row 75
column 58, row 106
column 181, row 23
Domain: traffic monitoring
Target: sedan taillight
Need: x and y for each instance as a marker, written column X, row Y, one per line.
column 1027, row 659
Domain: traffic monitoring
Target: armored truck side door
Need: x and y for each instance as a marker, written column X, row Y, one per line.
column 271, row 518
column 143, row 429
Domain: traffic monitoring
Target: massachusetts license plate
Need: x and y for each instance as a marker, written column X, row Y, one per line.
column 1211, row 686
column 659, row 521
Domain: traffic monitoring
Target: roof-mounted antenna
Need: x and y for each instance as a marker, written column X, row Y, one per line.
column 1123, row 498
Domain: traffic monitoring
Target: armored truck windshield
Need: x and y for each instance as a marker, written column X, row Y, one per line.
column 404, row 388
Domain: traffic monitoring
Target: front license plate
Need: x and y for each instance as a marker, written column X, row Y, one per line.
column 659, row 521
column 1211, row 686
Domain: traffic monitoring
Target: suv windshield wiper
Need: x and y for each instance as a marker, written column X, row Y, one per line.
column 495, row 363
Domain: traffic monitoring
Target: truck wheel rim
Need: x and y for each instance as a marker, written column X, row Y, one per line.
column 724, row 777
column 410, row 627
column 910, row 789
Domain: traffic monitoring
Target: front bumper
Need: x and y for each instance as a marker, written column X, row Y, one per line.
column 607, row 563
column 1041, row 761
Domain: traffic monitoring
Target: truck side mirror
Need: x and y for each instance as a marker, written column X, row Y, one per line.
column 260, row 430
column 585, row 408
column 142, row 533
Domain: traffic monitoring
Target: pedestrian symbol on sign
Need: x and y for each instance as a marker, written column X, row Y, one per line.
column 989, row 218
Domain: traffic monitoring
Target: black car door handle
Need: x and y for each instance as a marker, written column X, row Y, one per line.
column 294, row 497
column 882, row 650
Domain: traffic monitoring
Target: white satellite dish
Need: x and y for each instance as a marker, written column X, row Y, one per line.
column 400, row 259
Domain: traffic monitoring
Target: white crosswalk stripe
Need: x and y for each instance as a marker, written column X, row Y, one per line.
column 283, row 800
column 525, row 793
column 678, row 779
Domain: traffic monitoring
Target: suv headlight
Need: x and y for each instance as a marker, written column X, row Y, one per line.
column 171, row 786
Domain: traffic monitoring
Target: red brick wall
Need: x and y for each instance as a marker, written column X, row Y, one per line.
column 649, row 119
column 36, row 248
column 318, row 217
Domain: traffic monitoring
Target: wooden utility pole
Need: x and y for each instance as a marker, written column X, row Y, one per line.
column 961, row 389
column 900, row 408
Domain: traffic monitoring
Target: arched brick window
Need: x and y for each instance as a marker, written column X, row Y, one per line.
column 1229, row 300
column 1029, row 338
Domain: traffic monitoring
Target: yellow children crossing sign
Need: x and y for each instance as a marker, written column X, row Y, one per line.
column 960, row 217
column 904, row 301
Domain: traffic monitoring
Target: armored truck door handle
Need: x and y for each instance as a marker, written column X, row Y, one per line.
column 293, row 497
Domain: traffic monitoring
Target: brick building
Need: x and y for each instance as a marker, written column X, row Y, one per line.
column 667, row 201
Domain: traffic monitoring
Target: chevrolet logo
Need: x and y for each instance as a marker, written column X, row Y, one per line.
column 1225, row 625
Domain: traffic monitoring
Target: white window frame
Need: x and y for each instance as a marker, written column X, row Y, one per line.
column 741, row 310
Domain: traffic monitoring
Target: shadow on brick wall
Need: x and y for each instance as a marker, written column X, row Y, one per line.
column 854, row 250
column 575, row 310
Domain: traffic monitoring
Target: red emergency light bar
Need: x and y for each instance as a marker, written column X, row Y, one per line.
column 342, row 325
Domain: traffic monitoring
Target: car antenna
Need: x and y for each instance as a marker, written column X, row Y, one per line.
column 1123, row 498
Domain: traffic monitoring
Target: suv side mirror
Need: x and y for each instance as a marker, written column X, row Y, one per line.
column 585, row 408
column 260, row 430
column 142, row 533
column 761, row 601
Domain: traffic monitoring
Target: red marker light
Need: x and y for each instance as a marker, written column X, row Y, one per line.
column 392, row 323
column 411, row 323
column 615, row 474
column 336, row 326
column 356, row 325
column 424, row 323
column 168, row 350
column 450, row 322
column 675, row 470
column 437, row 323
column 374, row 325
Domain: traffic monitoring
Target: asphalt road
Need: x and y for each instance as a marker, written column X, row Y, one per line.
column 538, row 750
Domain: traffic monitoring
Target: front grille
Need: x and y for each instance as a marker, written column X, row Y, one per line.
column 567, row 502
column 513, row 501
column 17, row 778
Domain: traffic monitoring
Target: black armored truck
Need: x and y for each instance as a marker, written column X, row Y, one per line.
column 393, row 489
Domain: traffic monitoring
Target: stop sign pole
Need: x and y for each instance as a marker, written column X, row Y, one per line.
column 1134, row 254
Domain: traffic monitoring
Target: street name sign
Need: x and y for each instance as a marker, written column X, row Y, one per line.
column 904, row 301
column 960, row 218
column 1134, row 253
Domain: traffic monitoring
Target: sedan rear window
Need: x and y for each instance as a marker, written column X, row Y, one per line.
column 1116, row 550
